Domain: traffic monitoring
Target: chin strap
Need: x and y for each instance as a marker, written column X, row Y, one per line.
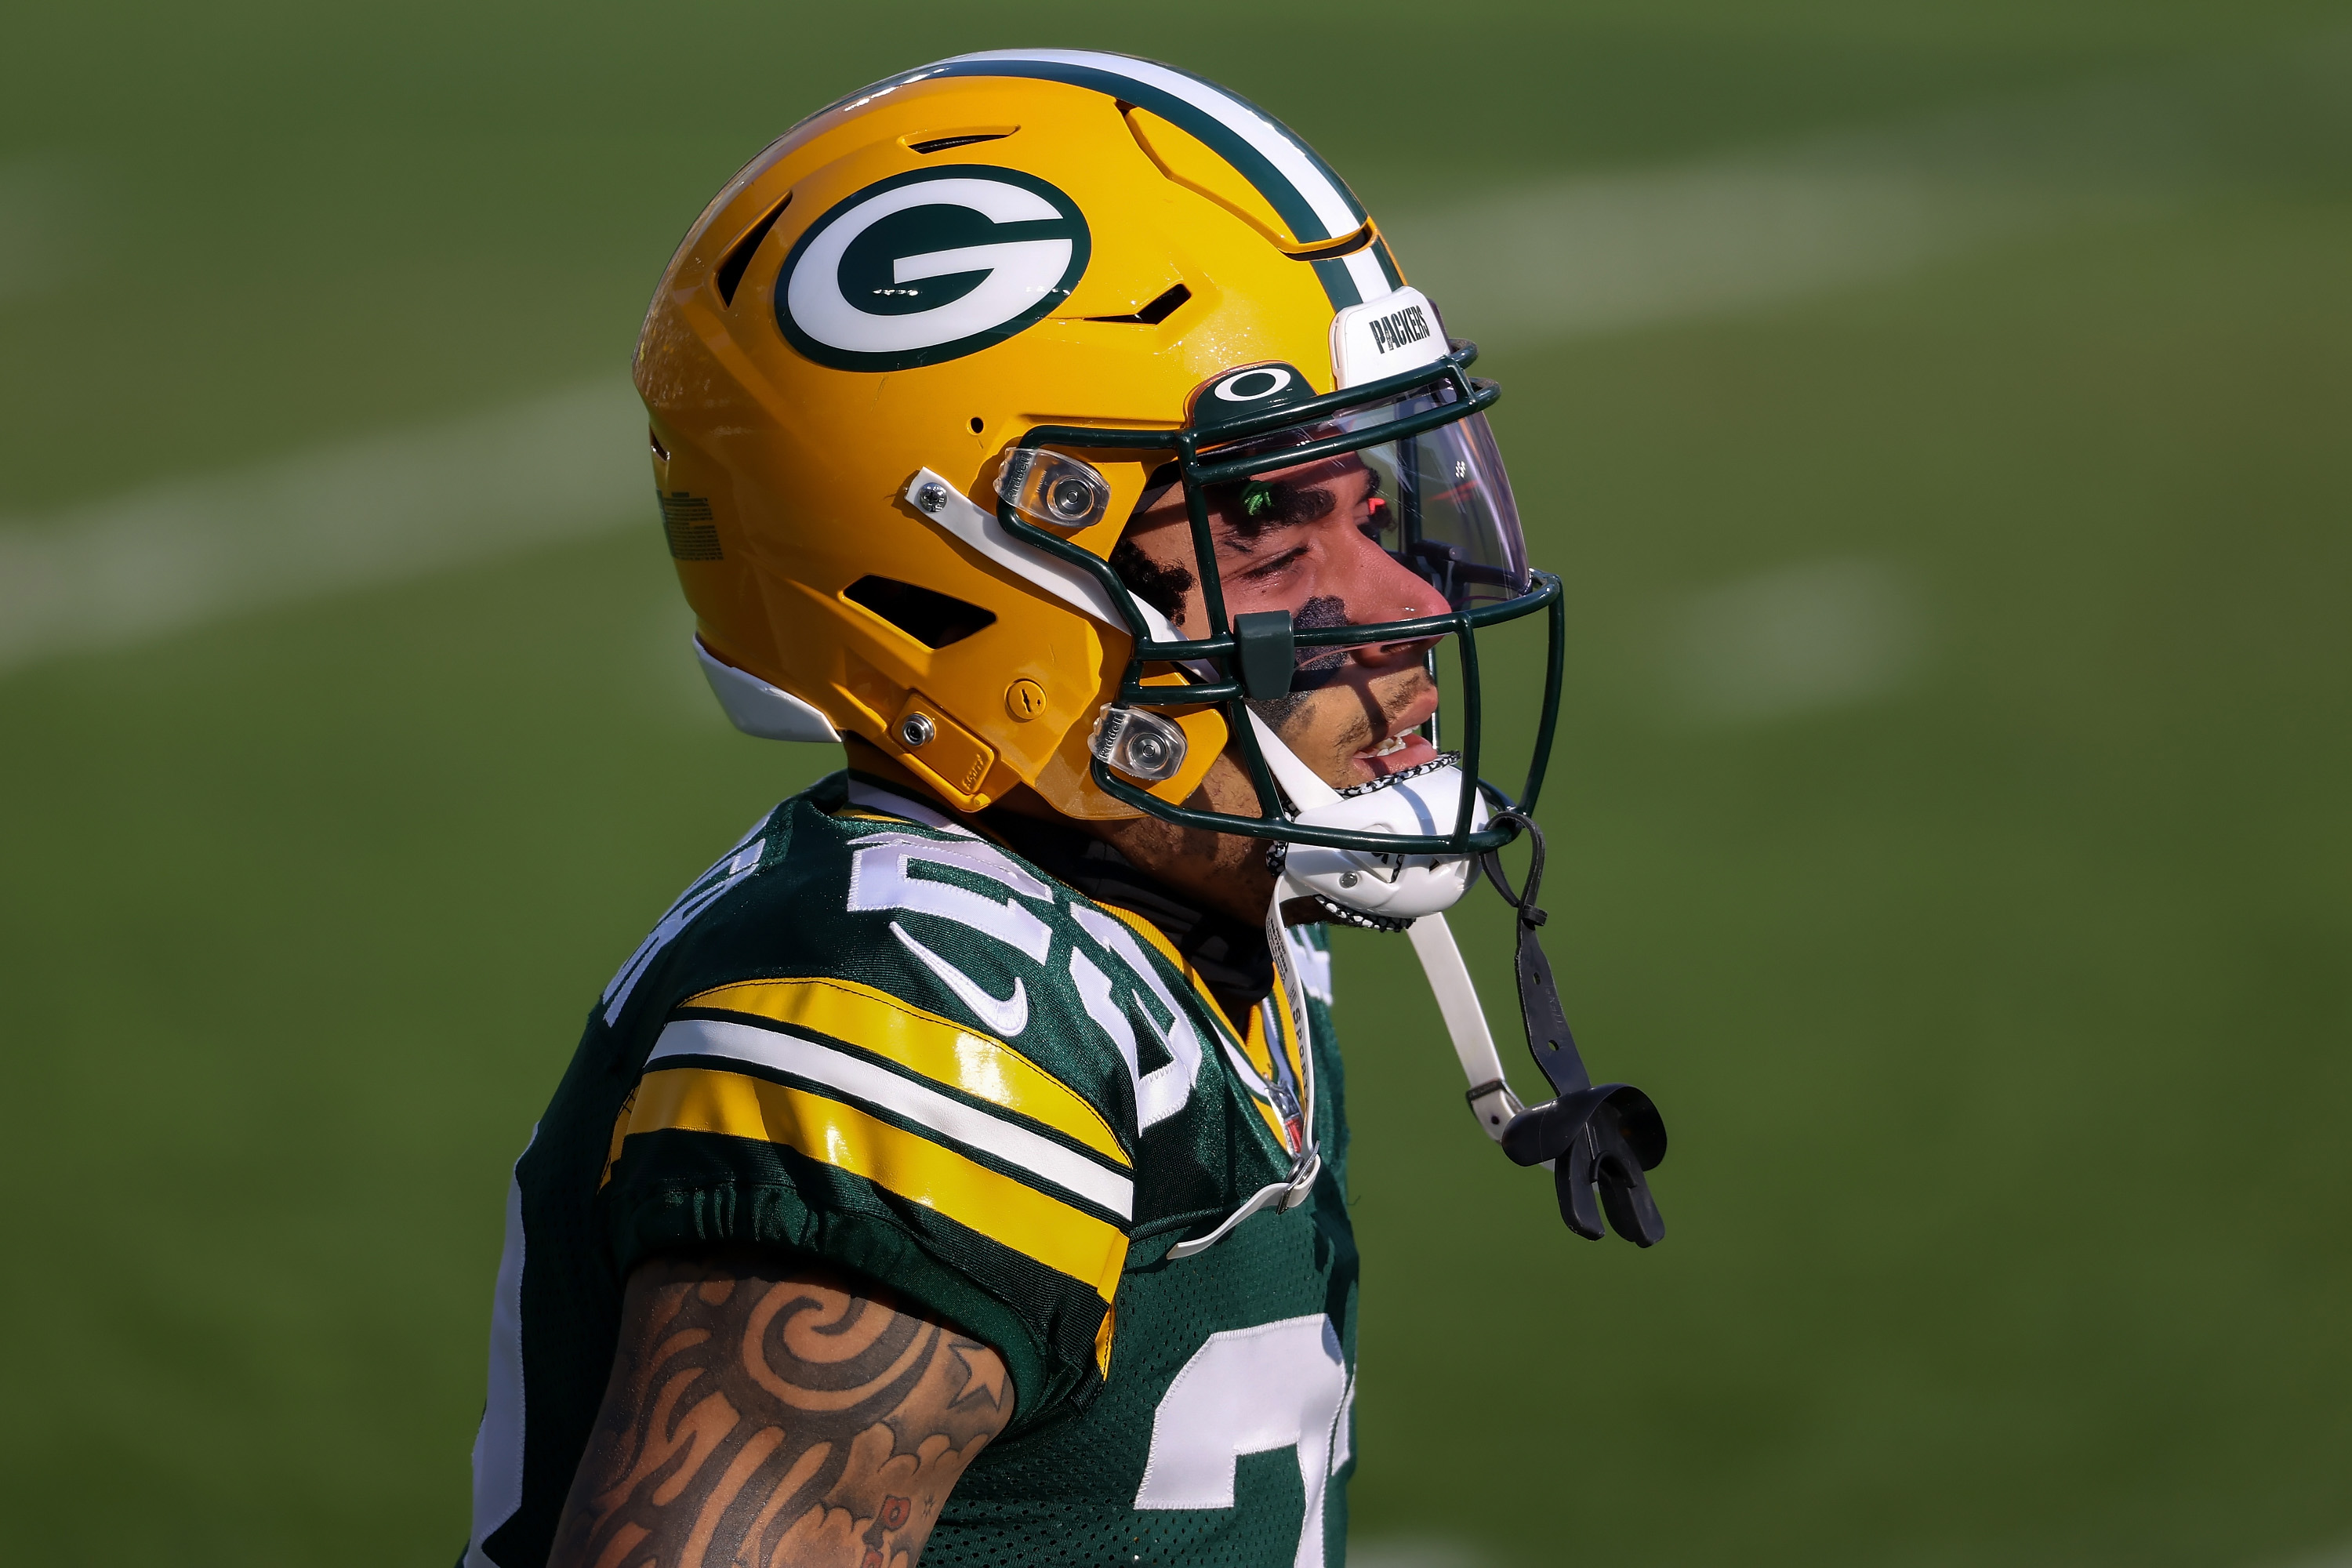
column 1592, row 1137
column 1491, row 1099
column 1597, row 1139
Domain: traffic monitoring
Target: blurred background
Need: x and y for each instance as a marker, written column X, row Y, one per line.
column 1937, row 411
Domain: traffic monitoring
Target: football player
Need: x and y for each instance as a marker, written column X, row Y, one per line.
column 956, row 1171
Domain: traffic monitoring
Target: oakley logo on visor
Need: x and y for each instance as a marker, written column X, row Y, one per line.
column 1253, row 385
column 1253, row 389
column 930, row 266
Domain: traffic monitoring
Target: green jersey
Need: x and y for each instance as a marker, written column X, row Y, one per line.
column 870, row 1036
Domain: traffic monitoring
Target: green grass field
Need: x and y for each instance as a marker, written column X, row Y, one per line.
column 1997, row 998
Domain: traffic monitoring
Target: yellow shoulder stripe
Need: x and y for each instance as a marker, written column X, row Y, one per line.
column 1102, row 1340
column 705, row 1100
column 939, row 1048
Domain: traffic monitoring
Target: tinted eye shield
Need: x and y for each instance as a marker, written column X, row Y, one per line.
column 1258, row 658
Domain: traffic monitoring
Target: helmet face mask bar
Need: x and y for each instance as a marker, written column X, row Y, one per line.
column 1433, row 491
column 1443, row 510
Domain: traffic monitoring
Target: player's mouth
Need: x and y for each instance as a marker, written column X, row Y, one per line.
column 1392, row 755
column 1406, row 748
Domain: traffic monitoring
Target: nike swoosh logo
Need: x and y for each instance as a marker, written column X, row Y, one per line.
column 1006, row 1017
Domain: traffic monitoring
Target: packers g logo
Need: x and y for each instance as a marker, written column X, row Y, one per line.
column 930, row 266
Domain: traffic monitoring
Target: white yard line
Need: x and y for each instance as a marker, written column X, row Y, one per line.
column 1538, row 264
column 1622, row 251
column 1619, row 253
column 1412, row 1551
column 347, row 516
column 1812, row 636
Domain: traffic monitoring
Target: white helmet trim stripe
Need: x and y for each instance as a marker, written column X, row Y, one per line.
column 1365, row 271
column 1306, row 186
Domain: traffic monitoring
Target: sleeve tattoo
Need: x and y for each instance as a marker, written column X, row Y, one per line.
column 776, row 1415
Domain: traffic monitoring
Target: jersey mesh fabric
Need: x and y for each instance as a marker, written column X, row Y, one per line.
column 830, row 985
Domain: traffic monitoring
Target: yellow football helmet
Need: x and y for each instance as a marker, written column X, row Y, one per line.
column 911, row 372
column 920, row 369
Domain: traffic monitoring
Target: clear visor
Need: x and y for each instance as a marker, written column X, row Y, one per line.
column 1370, row 527
column 1438, row 502
column 1356, row 525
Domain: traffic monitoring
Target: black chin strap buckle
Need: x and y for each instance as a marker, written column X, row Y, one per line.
column 1598, row 1138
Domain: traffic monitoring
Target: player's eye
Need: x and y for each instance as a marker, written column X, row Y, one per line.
column 1268, row 569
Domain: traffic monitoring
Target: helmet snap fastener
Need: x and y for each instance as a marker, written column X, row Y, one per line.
column 1053, row 488
column 931, row 498
column 1140, row 743
column 1149, row 754
column 916, row 730
column 1025, row 700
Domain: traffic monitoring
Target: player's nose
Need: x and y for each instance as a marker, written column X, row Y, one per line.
column 1383, row 588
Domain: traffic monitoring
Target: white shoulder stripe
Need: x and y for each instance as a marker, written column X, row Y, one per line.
column 879, row 1086
column 1274, row 143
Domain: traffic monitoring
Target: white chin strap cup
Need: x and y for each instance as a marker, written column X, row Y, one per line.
column 1390, row 887
column 1415, row 887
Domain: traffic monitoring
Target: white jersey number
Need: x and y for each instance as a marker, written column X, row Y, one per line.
column 1252, row 1391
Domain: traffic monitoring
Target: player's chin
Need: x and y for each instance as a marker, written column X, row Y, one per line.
column 1393, row 755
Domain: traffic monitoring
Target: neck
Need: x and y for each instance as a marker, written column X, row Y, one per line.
column 1206, row 892
column 1219, row 871
column 1229, row 954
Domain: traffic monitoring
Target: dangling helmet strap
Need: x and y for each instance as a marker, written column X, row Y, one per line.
column 1594, row 1136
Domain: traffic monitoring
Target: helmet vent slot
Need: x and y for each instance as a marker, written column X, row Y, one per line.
column 730, row 274
column 1338, row 247
column 933, row 619
column 942, row 144
column 1157, row 312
